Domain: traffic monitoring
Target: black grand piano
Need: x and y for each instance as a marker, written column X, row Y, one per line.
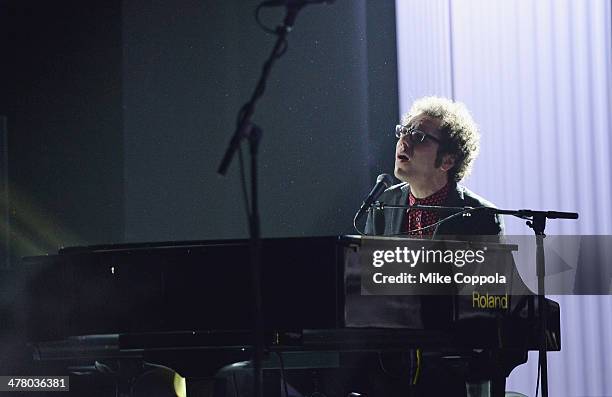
column 187, row 306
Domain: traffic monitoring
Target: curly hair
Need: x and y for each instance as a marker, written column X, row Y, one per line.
column 459, row 133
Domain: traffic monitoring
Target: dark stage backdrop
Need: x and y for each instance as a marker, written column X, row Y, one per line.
column 189, row 66
column 61, row 93
column 118, row 114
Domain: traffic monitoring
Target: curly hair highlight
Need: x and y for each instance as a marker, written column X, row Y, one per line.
column 459, row 132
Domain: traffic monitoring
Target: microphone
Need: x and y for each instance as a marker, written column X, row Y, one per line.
column 293, row 3
column 383, row 182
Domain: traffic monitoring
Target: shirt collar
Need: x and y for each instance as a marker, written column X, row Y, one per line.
column 437, row 198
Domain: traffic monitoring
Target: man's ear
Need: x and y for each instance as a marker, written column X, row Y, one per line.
column 448, row 162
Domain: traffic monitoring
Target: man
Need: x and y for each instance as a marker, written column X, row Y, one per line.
column 437, row 143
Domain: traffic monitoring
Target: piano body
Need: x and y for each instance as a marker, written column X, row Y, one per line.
column 188, row 305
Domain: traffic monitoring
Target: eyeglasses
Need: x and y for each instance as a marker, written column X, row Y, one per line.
column 415, row 136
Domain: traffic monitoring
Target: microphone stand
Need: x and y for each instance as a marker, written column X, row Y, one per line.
column 246, row 129
column 536, row 220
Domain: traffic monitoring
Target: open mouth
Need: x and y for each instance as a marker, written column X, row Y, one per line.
column 402, row 157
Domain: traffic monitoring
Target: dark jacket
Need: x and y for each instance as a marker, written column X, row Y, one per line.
column 392, row 221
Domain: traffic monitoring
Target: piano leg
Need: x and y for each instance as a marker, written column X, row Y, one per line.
column 498, row 386
column 493, row 367
column 495, row 387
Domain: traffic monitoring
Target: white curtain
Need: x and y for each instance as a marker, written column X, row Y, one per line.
column 536, row 75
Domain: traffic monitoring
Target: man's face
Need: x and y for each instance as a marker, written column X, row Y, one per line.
column 415, row 162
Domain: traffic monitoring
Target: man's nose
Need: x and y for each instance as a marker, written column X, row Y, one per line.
column 404, row 142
